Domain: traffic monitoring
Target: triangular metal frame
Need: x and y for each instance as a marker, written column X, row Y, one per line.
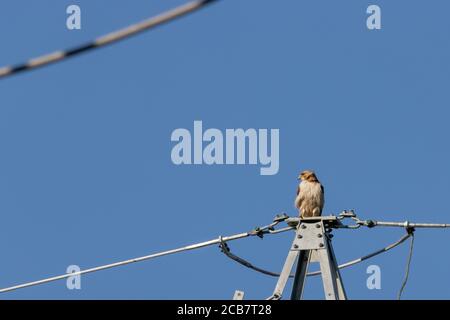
column 312, row 243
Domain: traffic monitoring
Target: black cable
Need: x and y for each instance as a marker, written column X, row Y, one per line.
column 226, row 250
column 408, row 264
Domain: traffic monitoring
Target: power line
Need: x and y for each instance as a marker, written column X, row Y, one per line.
column 374, row 223
column 226, row 250
column 292, row 223
column 408, row 264
column 257, row 232
column 107, row 39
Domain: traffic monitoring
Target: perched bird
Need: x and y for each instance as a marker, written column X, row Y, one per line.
column 310, row 195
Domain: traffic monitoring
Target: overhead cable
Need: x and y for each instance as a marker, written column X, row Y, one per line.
column 107, row 39
column 269, row 229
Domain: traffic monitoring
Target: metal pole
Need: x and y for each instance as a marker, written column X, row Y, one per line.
column 311, row 244
column 300, row 274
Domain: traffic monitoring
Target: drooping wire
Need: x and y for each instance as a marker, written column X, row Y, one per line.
column 107, row 39
column 226, row 250
column 408, row 264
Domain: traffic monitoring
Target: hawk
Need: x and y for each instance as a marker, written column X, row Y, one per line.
column 310, row 195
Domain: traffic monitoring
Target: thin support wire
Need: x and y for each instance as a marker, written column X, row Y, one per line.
column 263, row 230
column 408, row 265
column 107, row 39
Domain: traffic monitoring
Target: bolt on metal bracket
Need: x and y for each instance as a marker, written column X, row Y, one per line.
column 311, row 244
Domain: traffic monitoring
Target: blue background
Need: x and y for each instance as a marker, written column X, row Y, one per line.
column 85, row 171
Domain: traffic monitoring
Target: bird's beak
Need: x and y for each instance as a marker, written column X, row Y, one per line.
column 299, row 177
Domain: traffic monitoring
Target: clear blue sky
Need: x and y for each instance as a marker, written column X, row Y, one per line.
column 86, row 176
